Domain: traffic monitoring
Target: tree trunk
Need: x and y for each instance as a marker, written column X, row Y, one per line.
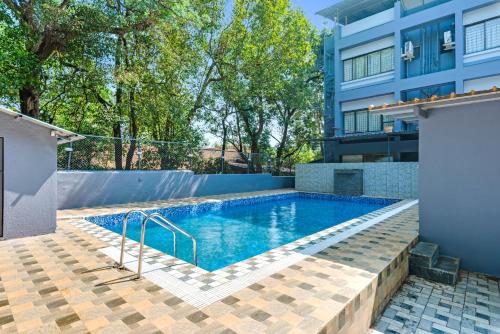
column 133, row 132
column 224, row 142
column 30, row 101
column 117, row 133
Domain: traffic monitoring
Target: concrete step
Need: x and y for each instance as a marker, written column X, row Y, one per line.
column 424, row 254
column 444, row 271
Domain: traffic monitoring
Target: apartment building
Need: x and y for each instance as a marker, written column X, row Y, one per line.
column 385, row 51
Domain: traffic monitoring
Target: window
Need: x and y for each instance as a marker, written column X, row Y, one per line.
column 387, row 60
column 368, row 65
column 373, row 122
column 361, row 121
column 492, row 28
column 482, row 36
column 348, row 70
column 359, row 68
column 373, row 64
column 474, row 38
column 350, row 122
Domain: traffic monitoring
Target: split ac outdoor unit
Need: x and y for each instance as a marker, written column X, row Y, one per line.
column 448, row 41
column 408, row 54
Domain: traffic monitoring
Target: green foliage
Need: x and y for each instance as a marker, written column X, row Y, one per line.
column 166, row 71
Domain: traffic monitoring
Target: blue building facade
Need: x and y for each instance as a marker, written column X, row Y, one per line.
column 385, row 51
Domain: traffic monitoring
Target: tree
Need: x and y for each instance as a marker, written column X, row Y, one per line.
column 48, row 28
column 269, row 46
column 163, row 70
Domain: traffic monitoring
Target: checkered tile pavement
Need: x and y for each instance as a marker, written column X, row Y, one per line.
column 62, row 282
column 471, row 307
column 203, row 280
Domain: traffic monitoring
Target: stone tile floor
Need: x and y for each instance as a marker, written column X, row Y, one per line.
column 421, row 306
column 61, row 282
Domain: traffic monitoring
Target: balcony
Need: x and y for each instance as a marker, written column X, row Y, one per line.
column 368, row 22
column 409, row 7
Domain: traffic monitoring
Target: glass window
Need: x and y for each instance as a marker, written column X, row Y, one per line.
column 387, row 60
column 374, row 122
column 359, row 67
column 482, row 36
column 374, row 63
column 349, row 122
column 361, row 121
column 474, row 38
column 492, row 28
column 388, row 123
column 348, row 70
column 370, row 64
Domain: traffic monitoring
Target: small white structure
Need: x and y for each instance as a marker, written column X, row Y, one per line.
column 28, row 174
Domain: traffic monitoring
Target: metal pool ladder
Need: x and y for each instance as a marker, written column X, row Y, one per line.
column 161, row 221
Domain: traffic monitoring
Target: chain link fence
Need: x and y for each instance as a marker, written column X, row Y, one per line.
column 107, row 153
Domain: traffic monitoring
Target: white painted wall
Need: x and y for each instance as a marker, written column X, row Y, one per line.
column 368, row 22
column 371, row 80
column 379, row 44
column 365, row 103
column 30, row 176
column 482, row 83
column 483, row 55
column 394, row 180
column 481, row 14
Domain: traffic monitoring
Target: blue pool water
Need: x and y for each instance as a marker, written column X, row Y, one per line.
column 236, row 230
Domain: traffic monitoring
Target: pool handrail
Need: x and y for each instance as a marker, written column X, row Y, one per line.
column 166, row 224
column 124, row 232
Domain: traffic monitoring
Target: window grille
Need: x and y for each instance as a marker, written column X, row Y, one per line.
column 374, row 122
column 348, row 70
column 350, row 122
column 362, row 121
column 492, row 33
column 482, row 36
column 387, row 60
column 369, row 64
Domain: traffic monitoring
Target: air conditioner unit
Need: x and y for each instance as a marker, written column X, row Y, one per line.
column 448, row 44
column 408, row 54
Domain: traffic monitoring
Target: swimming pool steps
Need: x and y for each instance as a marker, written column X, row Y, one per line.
column 426, row 262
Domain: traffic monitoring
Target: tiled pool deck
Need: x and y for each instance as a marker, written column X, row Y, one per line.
column 63, row 282
column 423, row 307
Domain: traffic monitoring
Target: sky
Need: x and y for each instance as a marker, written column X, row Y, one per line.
column 309, row 7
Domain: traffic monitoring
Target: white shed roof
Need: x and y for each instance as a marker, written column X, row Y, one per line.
column 63, row 136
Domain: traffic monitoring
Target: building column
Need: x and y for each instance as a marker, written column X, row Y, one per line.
column 397, row 51
column 339, row 119
column 459, row 50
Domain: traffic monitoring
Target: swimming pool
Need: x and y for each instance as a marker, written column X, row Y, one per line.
column 231, row 231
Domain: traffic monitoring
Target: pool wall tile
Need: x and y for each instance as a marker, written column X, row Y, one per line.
column 381, row 179
column 135, row 218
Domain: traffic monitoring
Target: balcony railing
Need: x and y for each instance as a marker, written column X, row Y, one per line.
column 368, row 22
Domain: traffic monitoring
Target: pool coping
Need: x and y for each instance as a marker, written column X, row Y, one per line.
column 201, row 288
